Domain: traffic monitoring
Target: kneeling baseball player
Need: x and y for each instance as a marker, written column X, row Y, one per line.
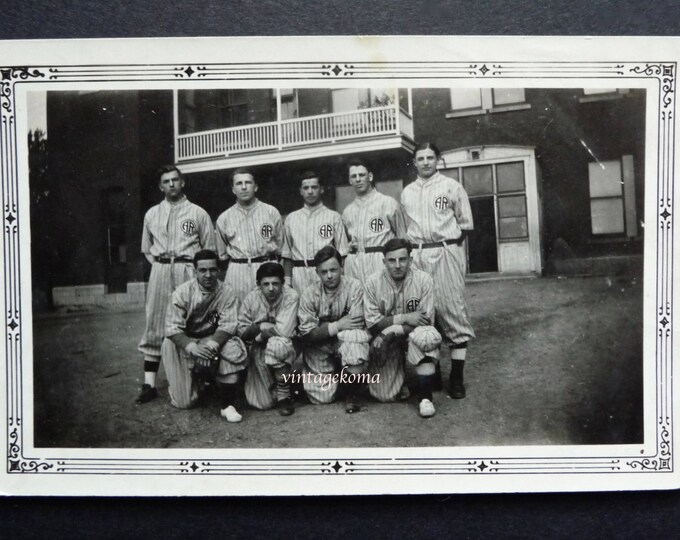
column 332, row 329
column 201, row 340
column 267, row 322
column 399, row 313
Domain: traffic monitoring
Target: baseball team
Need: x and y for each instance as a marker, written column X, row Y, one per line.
column 372, row 293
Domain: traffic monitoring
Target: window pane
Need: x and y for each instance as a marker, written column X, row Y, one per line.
column 478, row 180
column 451, row 173
column 507, row 96
column 510, row 177
column 607, row 216
column 605, row 178
column 589, row 91
column 512, row 206
column 512, row 227
column 466, row 98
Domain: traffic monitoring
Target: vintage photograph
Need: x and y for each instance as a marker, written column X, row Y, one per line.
column 298, row 272
column 521, row 210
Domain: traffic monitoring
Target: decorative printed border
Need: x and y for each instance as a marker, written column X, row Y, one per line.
column 664, row 73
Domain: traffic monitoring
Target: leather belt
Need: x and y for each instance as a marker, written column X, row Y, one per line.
column 441, row 243
column 171, row 260
column 248, row 260
column 309, row 263
column 370, row 249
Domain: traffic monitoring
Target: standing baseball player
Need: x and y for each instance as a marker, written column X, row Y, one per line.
column 306, row 231
column 248, row 234
column 173, row 232
column 332, row 330
column 399, row 313
column 370, row 220
column 438, row 217
column 200, row 332
column 267, row 322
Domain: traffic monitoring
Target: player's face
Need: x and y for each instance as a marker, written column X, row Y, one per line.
column 329, row 273
column 311, row 191
column 206, row 273
column 360, row 179
column 397, row 263
column 425, row 162
column 271, row 288
column 171, row 185
column 244, row 187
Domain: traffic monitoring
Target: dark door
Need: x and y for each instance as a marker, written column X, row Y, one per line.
column 116, row 268
column 482, row 251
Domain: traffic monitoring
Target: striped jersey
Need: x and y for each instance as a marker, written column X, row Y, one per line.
column 436, row 209
column 197, row 312
column 282, row 313
column 246, row 232
column 384, row 297
column 177, row 230
column 318, row 306
column 373, row 220
column 307, row 230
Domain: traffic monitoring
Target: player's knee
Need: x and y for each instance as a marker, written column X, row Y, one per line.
column 426, row 367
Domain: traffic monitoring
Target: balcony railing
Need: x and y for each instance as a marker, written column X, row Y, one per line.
column 321, row 129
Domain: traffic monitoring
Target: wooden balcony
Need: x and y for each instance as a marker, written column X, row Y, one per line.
column 298, row 138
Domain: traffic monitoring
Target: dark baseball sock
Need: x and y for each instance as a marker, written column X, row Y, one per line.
column 424, row 387
column 457, row 367
column 282, row 388
column 151, row 367
column 227, row 394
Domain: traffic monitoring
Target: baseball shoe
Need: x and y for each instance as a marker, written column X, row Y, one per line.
column 351, row 405
column 285, row 407
column 426, row 408
column 231, row 414
column 457, row 389
column 404, row 393
column 147, row 394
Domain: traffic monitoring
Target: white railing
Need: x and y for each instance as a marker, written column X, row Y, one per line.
column 324, row 128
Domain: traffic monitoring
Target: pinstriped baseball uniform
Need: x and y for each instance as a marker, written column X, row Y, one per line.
column 384, row 297
column 247, row 232
column 306, row 231
column 318, row 306
column 260, row 383
column 371, row 221
column 170, row 230
column 438, row 209
column 198, row 313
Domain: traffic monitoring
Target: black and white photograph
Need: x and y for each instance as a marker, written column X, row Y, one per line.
column 347, row 273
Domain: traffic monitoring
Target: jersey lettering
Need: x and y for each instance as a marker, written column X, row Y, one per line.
column 267, row 231
column 412, row 304
column 441, row 202
column 376, row 224
column 188, row 226
column 326, row 231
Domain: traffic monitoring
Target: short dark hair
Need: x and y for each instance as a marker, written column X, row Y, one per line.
column 426, row 146
column 395, row 244
column 327, row 253
column 308, row 175
column 242, row 170
column 168, row 168
column 205, row 255
column 357, row 162
column 269, row 269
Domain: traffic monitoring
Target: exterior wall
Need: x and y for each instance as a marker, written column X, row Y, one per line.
column 564, row 132
column 100, row 141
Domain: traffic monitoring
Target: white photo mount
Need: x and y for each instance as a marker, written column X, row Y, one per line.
column 417, row 61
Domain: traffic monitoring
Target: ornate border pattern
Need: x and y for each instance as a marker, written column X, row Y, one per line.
column 18, row 458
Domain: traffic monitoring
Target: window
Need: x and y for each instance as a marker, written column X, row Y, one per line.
column 467, row 101
column 602, row 94
column 504, row 184
column 612, row 197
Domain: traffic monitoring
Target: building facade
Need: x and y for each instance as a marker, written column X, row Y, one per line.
column 555, row 176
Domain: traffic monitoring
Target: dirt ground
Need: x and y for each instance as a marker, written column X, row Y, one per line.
column 556, row 361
